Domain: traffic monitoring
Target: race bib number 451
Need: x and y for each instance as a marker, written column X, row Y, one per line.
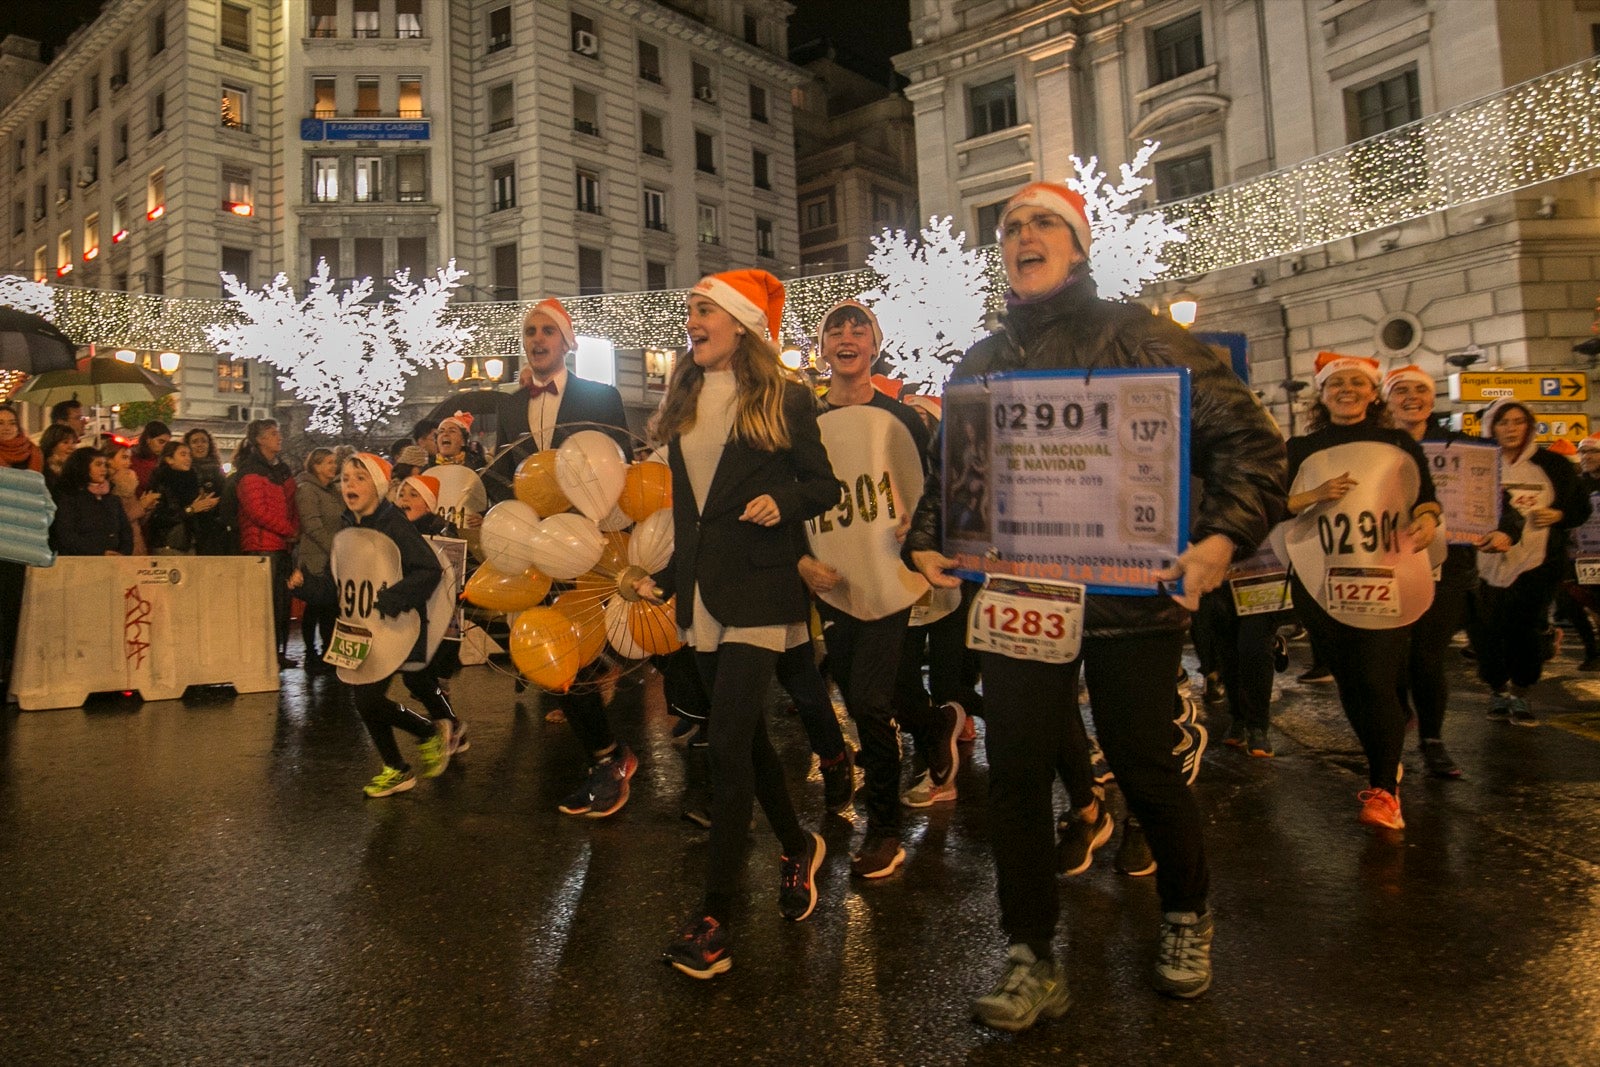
column 1032, row 620
column 349, row 646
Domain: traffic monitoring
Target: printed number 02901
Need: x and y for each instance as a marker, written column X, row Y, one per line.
column 867, row 499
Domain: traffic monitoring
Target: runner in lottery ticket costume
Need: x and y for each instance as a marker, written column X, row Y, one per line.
column 1132, row 644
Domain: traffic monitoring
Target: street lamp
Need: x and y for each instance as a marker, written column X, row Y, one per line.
column 455, row 370
column 169, row 362
column 125, row 355
column 493, row 367
column 1183, row 308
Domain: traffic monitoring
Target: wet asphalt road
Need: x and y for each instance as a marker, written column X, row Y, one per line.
column 202, row 882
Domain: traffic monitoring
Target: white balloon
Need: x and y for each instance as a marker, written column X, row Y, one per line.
column 591, row 470
column 566, row 545
column 650, row 546
column 618, row 632
column 507, row 535
column 617, row 520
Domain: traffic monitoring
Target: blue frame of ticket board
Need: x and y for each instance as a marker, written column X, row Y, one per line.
column 970, row 495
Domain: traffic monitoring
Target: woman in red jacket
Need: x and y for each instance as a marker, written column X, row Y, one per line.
column 269, row 522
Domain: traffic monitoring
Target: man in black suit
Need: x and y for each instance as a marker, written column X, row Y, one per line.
column 539, row 416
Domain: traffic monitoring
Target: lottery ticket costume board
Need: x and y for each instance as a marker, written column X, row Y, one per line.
column 461, row 494
column 880, row 480
column 366, row 646
column 1585, row 545
column 1466, row 479
column 1259, row 585
column 1352, row 554
column 1068, row 475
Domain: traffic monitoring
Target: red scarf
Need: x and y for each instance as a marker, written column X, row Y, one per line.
column 21, row 453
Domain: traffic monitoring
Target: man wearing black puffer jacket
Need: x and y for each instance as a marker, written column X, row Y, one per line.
column 1132, row 644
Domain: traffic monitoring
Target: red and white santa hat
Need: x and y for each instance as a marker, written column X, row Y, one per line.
column 427, row 487
column 558, row 313
column 1328, row 363
column 1057, row 198
column 877, row 330
column 377, row 468
column 931, row 404
column 462, row 419
column 753, row 297
column 1409, row 373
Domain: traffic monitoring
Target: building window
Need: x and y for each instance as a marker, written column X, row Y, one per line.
column 119, row 220
column 235, row 261
column 91, row 94
column 66, row 115
column 91, row 235
column 706, row 228
column 41, row 268
column 1186, row 176
column 585, row 112
column 121, row 137
column 155, row 195
column 236, row 108
column 764, row 245
column 19, row 155
column 366, row 12
column 760, row 169
column 324, row 98
column 816, row 213
column 705, row 152
column 64, row 253
column 655, row 210
column 119, row 281
column 502, row 107
column 652, row 135
column 758, row 103
column 588, row 184
column 992, row 106
column 236, row 193
column 655, row 276
column 369, row 179
column 325, row 179
column 411, row 255
column 233, row 375
column 64, row 185
column 408, row 18
column 367, row 98
column 885, row 210
column 158, row 34
column 1177, row 49
column 158, row 113
column 156, row 277
column 499, row 29
column 325, row 250
column 19, row 216
column 1394, row 101
column 704, row 88
column 369, row 258
column 752, row 29
column 119, row 70
column 989, row 221
column 411, row 177
column 585, row 41
column 89, row 173
column 411, row 96
column 649, row 62
column 505, row 272
column 40, row 205
column 503, row 187
column 591, row 271
column 43, row 140
column 324, row 18
column 236, row 27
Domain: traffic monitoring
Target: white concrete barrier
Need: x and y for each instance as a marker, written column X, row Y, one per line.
column 151, row 624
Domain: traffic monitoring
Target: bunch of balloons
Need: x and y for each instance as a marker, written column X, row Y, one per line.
column 586, row 520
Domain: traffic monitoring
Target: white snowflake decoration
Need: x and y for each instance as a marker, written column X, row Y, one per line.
column 1126, row 248
column 347, row 359
column 929, row 300
column 32, row 297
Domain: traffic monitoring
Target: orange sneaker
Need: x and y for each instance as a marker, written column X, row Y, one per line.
column 1379, row 807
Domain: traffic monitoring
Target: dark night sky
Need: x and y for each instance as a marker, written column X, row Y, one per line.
column 874, row 29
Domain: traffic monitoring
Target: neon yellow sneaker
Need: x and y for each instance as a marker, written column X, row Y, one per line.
column 390, row 780
column 435, row 754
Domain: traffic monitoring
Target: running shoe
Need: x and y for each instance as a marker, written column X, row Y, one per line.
column 1077, row 841
column 1191, row 746
column 924, row 794
column 434, row 752
column 1133, row 853
column 1317, row 675
column 390, row 780
column 459, row 742
column 1521, row 714
column 1238, row 734
column 945, row 759
column 1259, row 745
column 1183, row 954
column 608, row 783
column 880, row 855
column 1500, row 707
column 1437, row 759
column 1379, row 807
column 839, row 782
column 797, row 881
column 1185, row 708
column 1216, row 694
column 701, row 949
column 969, row 726
column 1028, row 988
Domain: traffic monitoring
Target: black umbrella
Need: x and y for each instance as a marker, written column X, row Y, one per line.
column 474, row 402
column 33, row 346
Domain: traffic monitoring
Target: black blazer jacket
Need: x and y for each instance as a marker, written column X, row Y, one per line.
column 583, row 401
column 748, row 574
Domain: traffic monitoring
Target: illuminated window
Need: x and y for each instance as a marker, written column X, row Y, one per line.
column 325, row 179
column 236, row 108
column 366, row 12
column 369, row 179
column 410, row 96
column 324, row 18
column 236, row 193
column 155, row 196
column 91, row 235
column 367, row 98
column 324, row 98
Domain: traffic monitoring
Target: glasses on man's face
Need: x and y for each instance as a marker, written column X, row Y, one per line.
column 1042, row 224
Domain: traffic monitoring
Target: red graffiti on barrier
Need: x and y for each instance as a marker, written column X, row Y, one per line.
column 135, row 626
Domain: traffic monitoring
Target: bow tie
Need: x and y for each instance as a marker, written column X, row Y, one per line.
column 535, row 389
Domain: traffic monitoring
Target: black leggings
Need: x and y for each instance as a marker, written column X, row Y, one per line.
column 1367, row 666
column 1507, row 626
column 383, row 716
column 1424, row 681
column 744, row 768
column 798, row 675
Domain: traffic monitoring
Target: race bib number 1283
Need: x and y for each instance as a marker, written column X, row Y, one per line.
column 1028, row 619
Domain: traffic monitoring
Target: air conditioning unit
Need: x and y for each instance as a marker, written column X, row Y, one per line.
column 233, row 413
column 706, row 93
column 86, row 176
column 585, row 43
column 62, row 196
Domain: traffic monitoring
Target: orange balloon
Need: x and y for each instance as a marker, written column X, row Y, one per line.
column 614, row 556
column 536, row 486
column 544, row 649
column 646, row 489
column 497, row 591
column 584, row 610
column 654, row 626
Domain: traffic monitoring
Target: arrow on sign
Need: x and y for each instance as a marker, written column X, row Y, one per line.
column 1572, row 386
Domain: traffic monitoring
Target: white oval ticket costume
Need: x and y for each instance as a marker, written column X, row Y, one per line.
column 364, row 562
column 461, row 493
